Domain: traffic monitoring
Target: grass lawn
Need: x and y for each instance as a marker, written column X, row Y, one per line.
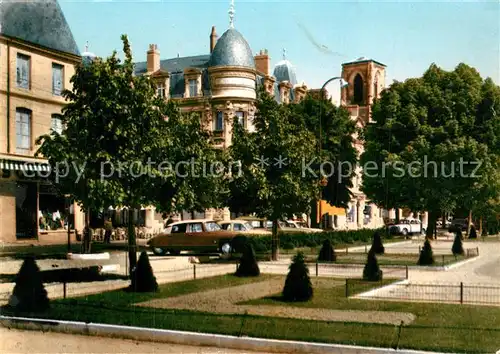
column 452, row 328
column 396, row 259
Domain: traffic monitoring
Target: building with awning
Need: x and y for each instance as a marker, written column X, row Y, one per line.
column 38, row 55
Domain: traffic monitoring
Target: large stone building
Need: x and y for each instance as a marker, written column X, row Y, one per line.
column 222, row 84
column 38, row 55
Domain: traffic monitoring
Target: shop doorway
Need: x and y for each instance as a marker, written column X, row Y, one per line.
column 26, row 210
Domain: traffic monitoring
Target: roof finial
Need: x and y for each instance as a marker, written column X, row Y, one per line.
column 231, row 13
column 284, row 54
column 87, row 46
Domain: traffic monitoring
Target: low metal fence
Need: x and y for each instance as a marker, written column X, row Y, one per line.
column 461, row 293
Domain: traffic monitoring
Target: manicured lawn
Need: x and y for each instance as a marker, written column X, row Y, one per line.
column 396, row 259
column 452, row 328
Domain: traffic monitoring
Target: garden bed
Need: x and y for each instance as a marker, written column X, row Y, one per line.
column 439, row 327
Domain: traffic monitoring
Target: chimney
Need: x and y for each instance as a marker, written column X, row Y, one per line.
column 263, row 62
column 213, row 39
column 153, row 61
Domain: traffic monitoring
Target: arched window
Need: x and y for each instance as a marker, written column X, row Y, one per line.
column 358, row 89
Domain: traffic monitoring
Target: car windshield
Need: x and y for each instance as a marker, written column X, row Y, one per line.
column 212, row 226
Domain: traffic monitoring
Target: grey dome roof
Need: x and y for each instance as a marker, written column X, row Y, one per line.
column 40, row 22
column 232, row 50
column 88, row 57
column 285, row 71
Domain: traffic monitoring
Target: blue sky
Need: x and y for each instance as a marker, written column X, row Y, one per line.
column 407, row 36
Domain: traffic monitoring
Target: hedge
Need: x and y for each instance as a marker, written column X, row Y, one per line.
column 292, row 240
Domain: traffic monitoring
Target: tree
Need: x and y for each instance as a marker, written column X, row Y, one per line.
column 426, row 257
column 427, row 137
column 457, row 247
column 298, row 285
column 129, row 144
column 270, row 180
column 248, row 266
column 377, row 245
column 327, row 253
column 336, row 130
column 29, row 294
column 143, row 279
column 372, row 272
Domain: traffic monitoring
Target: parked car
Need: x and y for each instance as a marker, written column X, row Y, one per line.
column 242, row 226
column 196, row 235
column 286, row 226
column 458, row 224
column 407, row 227
column 302, row 226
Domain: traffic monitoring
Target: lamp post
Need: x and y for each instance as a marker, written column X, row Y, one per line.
column 323, row 181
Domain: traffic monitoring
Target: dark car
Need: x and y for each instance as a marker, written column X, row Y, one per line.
column 459, row 224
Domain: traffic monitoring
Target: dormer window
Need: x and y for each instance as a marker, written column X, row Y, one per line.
column 160, row 90
column 193, row 88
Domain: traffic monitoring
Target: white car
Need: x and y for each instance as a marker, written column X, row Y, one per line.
column 407, row 227
column 302, row 226
column 242, row 226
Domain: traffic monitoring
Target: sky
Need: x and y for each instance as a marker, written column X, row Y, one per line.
column 318, row 36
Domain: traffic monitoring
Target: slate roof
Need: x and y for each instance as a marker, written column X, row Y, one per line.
column 232, row 49
column 285, row 71
column 175, row 65
column 40, row 22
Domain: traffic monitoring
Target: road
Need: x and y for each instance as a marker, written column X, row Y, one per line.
column 16, row 341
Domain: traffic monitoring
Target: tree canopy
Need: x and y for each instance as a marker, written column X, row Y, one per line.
column 433, row 144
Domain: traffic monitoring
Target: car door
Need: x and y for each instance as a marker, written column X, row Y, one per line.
column 176, row 236
column 194, row 235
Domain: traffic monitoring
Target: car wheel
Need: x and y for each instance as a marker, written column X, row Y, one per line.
column 404, row 232
column 158, row 251
column 174, row 252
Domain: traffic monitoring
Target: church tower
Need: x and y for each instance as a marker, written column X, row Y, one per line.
column 366, row 79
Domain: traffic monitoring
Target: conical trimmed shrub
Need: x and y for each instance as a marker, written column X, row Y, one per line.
column 298, row 285
column 472, row 232
column 372, row 272
column 327, row 253
column 377, row 245
column 248, row 266
column 29, row 294
column 426, row 256
column 457, row 247
column 143, row 279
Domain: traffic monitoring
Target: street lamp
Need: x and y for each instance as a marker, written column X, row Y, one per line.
column 323, row 181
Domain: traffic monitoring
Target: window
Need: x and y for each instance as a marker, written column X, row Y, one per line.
column 178, row 229
column 23, row 71
column 225, row 226
column 212, row 226
column 238, row 227
column 195, row 227
column 160, row 90
column 193, row 88
column 56, row 124
column 358, row 89
column 219, row 121
column 23, row 131
column 240, row 116
column 57, row 79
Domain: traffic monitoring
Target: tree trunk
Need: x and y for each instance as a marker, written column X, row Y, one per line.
column 480, row 226
column 397, row 215
column 87, row 233
column 469, row 222
column 132, row 245
column 431, row 225
column 314, row 214
column 274, row 241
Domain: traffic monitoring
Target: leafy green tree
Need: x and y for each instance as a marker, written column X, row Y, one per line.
column 335, row 129
column 298, row 285
column 129, row 143
column 270, row 180
column 427, row 136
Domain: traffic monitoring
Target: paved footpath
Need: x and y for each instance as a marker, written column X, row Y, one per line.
column 16, row 341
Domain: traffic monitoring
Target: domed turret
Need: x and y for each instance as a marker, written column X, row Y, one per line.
column 87, row 57
column 232, row 50
column 285, row 71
